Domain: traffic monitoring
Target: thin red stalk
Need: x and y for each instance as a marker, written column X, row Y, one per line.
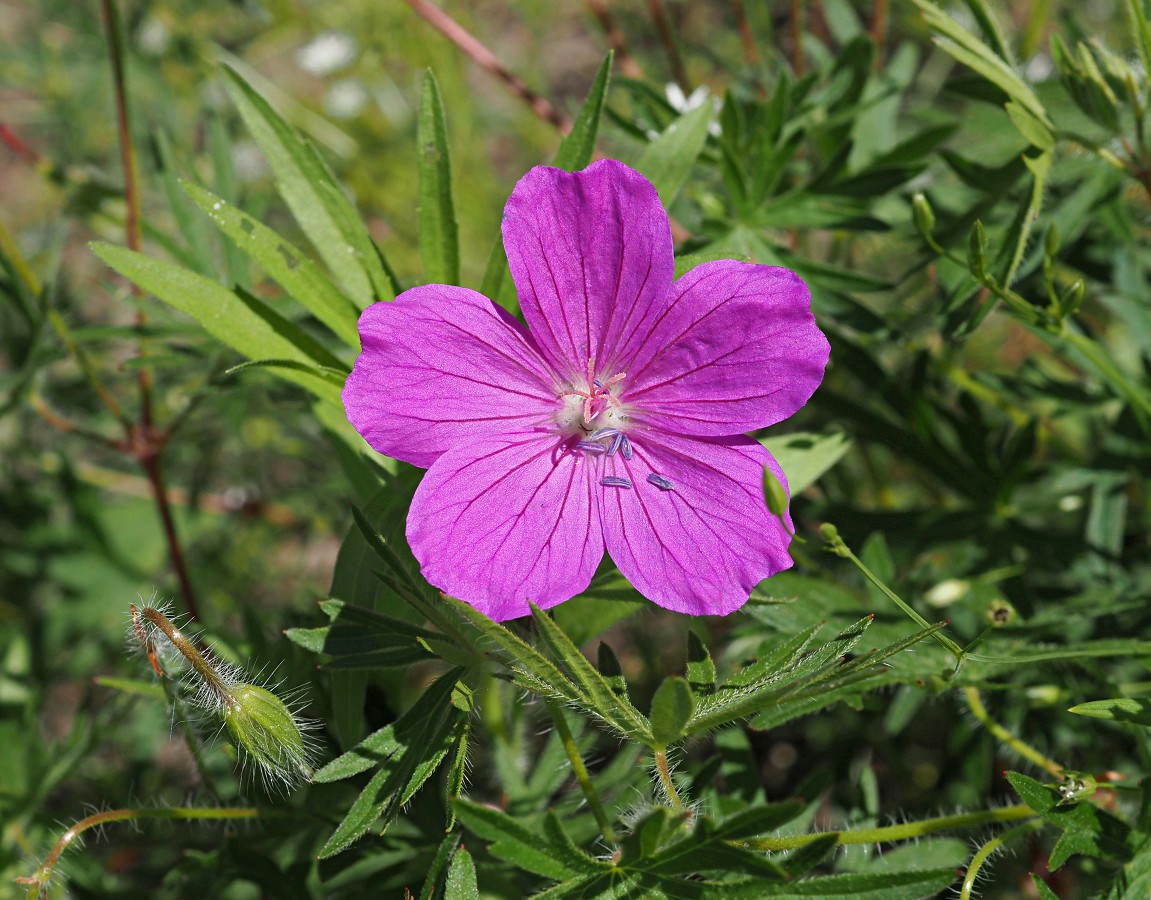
column 879, row 30
column 143, row 440
column 614, row 39
column 750, row 50
column 14, row 143
column 488, row 61
column 797, row 37
column 663, row 27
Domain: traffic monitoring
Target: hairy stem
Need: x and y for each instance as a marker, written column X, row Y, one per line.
column 987, row 849
column 485, row 59
column 581, row 773
column 975, row 703
column 889, row 833
column 38, row 882
column 667, row 781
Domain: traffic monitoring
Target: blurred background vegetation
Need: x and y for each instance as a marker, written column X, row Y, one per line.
column 987, row 463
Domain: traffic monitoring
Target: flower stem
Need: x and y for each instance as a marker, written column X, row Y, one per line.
column 581, row 773
column 903, row 832
column 837, row 546
column 990, row 847
column 196, row 659
column 38, row 882
column 975, row 702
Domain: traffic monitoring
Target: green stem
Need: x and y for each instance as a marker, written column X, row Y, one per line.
column 987, row 849
column 667, row 781
column 975, row 702
column 890, row 833
column 38, row 882
column 1140, row 400
column 581, row 773
column 839, row 548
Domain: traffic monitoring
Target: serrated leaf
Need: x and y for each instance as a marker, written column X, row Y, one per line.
column 457, row 773
column 911, row 885
column 461, row 883
column 237, row 320
column 611, row 670
column 578, row 147
column 1087, row 829
column 297, row 274
column 1120, row 709
column 667, row 161
column 671, row 709
column 308, row 187
column 438, row 229
column 805, row 457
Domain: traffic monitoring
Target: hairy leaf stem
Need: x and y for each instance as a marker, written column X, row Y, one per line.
column 889, row 833
column 581, row 772
column 975, row 703
column 667, row 781
column 984, row 853
column 38, row 882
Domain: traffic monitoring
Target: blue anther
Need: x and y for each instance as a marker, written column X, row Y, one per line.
column 615, row 481
column 664, row 484
column 590, row 447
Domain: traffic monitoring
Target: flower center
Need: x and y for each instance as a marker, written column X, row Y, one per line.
column 593, row 406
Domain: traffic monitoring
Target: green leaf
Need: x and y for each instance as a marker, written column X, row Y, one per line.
column 439, row 231
column 514, row 842
column 444, row 853
column 1121, row 709
column 578, row 147
column 383, row 745
column 977, row 56
column 457, row 773
column 236, row 319
column 1087, row 829
column 312, row 194
column 1045, row 893
column 461, row 883
column 805, row 457
column 152, row 690
column 595, row 692
column 671, row 709
column 701, row 673
column 667, row 161
column 407, row 752
column 910, row 885
column 297, row 274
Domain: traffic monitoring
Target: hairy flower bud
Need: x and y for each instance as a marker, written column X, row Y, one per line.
column 265, row 728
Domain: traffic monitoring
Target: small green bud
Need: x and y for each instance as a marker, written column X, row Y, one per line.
column 264, row 727
column 922, row 213
column 1051, row 240
column 774, row 495
column 830, row 533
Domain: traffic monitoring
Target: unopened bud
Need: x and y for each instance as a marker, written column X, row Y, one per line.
column 922, row 214
column 264, row 727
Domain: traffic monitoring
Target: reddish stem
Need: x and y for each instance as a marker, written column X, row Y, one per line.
column 485, row 59
column 614, row 39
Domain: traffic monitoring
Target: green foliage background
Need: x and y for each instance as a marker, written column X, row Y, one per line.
column 965, row 190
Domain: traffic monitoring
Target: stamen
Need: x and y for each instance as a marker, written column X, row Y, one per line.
column 616, row 443
column 601, row 433
column 615, row 481
column 590, row 447
column 661, row 482
column 625, row 447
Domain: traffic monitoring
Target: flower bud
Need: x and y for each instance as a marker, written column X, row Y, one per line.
column 264, row 727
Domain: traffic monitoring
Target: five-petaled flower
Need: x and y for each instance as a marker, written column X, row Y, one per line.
column 616, row 420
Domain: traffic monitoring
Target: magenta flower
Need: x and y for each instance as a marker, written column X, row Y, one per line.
column 616, row 420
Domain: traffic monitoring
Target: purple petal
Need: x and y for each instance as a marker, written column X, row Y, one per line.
column 501, row 523
column 591, row 255
column 737, row 350
column 701, row 546
column 443, row 367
